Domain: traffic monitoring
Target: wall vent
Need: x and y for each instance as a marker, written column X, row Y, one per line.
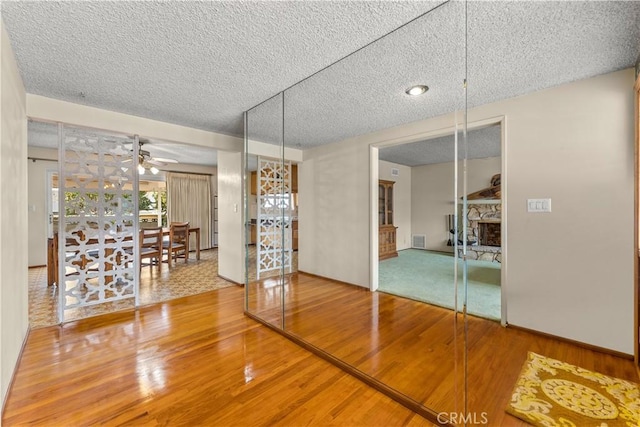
column 419, row 241
column 395, row 172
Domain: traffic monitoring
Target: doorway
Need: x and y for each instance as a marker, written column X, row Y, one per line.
column 428, row 241
column 158, row 284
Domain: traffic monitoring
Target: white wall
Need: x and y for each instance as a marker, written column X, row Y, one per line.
column 575, row 145
column 569, row 272
column 333, row 212
column 54, row 110
column 37, row 213
column 230, row 217
column 401, row 200
column 259, row 148
column 432, row 196
column 14, row 306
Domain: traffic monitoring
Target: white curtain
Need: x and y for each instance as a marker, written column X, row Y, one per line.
column 189, row 199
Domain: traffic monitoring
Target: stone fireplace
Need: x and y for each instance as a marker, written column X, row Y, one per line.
column 484, row 228
column 484, row 218
column 489, row 233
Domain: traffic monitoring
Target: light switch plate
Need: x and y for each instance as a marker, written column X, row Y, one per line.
column 538, row 205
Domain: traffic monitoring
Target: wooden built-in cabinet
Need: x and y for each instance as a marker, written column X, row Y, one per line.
column 294, row 235
column 253, row 232
column 254, row 183
column 294, row 178
column 386, row 229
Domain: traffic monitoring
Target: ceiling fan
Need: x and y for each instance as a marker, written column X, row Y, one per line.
column 147, row 162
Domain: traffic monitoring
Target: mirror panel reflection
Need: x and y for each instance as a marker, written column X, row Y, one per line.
column 530, row 125
column 268, row 255
column 329, row 304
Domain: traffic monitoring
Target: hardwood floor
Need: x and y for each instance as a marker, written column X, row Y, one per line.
column 411, row 346
column 192, row 361
column 200, row 361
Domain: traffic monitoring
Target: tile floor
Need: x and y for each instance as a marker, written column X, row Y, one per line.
column 156, row 285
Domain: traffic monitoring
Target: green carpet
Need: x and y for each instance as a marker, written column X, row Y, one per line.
column 428, row 276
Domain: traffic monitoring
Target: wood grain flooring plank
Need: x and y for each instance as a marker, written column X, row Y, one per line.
column 200, row 361
column 414, row 348
column 193, row 361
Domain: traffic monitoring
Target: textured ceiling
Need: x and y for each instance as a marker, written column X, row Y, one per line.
column 201, row 64
column 514, row 48
column 481, row 143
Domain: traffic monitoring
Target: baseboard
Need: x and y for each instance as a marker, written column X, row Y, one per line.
column 405, row 401
column 37, row 266
column 15, row 369
column 229, row 280
column 329, row 278
column 574, row 342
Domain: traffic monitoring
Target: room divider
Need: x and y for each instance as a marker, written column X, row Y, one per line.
column 98, row 220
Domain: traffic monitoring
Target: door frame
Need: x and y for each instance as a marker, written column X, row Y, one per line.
column 50, row 173
column 373, row 196
column 636, row 237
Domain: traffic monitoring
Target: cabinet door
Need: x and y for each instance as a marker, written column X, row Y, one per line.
column 294, row 178
column 385, row 202
column 381, row 205
column 254, row 183
column 390, row 204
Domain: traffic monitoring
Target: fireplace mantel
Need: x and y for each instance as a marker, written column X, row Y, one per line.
column 482, row 202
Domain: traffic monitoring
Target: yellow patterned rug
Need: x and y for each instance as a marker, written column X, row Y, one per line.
column 553, row 393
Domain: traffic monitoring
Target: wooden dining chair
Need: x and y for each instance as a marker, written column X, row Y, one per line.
column 178, row 241
column 151, row 246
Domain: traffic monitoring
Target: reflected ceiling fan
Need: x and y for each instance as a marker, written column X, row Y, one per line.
column 147, row 162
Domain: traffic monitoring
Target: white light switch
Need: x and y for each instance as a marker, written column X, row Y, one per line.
column 538, row 205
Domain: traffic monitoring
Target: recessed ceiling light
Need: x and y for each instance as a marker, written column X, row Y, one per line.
column 416, row 90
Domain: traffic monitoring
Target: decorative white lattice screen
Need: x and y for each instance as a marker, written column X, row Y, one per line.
column 274, row 249
column 98, row 219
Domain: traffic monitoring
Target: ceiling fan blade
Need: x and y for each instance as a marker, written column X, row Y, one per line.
column 160, row 159
column 155, row 162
